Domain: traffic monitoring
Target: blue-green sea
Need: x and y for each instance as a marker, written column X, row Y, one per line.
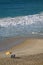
column 21, row 18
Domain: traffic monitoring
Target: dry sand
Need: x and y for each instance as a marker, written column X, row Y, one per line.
column 28, row 52
column 28, row 47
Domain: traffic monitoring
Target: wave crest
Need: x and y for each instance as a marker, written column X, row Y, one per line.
column 22, row 20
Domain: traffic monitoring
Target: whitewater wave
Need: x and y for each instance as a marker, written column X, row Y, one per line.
column 22, row 25
column 34, row 32
column 22, row 20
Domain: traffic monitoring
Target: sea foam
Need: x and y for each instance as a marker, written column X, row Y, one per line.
column 22, row 20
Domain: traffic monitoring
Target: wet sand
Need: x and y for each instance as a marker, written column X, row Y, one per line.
column 25, row 46
column 7, row 43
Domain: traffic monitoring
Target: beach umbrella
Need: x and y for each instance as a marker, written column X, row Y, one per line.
column 8, row 53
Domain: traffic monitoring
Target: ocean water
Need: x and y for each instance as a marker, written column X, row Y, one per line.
column 21, row 18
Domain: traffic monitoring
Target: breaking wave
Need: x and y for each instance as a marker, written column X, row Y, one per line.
column 22, row 20
column 22, row 25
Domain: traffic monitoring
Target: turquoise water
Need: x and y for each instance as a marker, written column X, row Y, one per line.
column 14, row 13
column 12, row 8
column 20, row 18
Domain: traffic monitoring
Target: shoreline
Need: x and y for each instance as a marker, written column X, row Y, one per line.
column 29, row 46
column 13, row 41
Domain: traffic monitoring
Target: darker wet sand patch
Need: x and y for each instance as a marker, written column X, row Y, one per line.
column 10, row 42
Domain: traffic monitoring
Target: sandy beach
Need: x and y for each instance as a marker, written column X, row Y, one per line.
column 30, row 49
